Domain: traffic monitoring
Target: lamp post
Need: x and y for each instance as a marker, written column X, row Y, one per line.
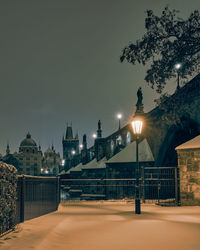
column 177, row 67
column 137, row 124
column 119, row 116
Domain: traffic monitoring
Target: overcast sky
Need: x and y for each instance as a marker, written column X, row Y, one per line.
column 59, row 63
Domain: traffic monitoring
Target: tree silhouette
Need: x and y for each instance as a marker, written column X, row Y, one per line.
column 168, row 40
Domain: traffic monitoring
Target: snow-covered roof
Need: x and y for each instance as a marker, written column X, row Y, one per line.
column 62, row 172
column 194, row 143
column 128, row 154
column 77, row 168
column 94, row 164
column 74, row 169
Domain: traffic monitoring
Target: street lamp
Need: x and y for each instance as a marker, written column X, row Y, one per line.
column 81, row 146
column 94, row 136
column 177, row 67
column 137, row 124
column 73, row 152
column 119, row 116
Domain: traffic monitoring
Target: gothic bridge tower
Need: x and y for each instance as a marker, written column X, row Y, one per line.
column 70, row 148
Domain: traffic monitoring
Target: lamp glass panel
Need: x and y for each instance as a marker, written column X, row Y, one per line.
column 137, row 127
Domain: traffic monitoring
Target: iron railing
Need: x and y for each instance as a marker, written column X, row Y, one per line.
column 156, row 183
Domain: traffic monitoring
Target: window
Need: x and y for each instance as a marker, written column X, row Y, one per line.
column 128, row 138
column 112, row 146
column 119, row 140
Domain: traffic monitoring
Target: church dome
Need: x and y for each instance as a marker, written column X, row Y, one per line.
column 28, row 142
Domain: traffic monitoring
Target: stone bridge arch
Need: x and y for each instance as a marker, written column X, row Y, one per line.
column 163, row 137
column 175, row 136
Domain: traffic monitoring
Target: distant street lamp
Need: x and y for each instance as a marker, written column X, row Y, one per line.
column 177, row 67
column 73, row 152
column 119, row 116
column 81, row 146
column 137, row 124
column 94, row 136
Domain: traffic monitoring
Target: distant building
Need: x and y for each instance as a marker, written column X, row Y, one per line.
column 189, row 167
column 29, row 160
column 11, row 159
column 51, row 162
column 70, row 148
column 29, row 157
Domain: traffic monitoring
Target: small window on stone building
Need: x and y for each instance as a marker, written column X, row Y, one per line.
column 128, row 138
column 119, row 140
column 112, row 146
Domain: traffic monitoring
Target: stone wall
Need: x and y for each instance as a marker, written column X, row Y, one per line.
column 189, row 165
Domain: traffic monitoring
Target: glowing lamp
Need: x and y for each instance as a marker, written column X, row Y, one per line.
column 178, row 66
column 137, row 125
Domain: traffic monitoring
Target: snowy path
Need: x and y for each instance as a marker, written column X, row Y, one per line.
column 109, row 226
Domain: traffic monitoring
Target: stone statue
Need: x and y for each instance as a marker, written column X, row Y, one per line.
column 139, row 104
column 139, row 96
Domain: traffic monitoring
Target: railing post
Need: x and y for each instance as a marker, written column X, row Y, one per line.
column 177, row 189
column 176, row 186
column 22, row 199
column 143, row 185
column 58, row 192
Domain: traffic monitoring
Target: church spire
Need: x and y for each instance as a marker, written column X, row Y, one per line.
column 8, row 149
column 84, row 142
column 99, row 131
column 69, row 132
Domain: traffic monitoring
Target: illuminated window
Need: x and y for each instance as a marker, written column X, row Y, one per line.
column 128, row 138
column 119, row 140
column 112, row 145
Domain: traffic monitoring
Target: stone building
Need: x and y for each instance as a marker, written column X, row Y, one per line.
column 11, row 159
column 50, row 162
column 29, row 157
column 189, row 167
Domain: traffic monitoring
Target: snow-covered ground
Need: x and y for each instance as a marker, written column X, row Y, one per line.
column 109, row 226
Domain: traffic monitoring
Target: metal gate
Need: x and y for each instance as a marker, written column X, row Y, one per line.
column 36, row 196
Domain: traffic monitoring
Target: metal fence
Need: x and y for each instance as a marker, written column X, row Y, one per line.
column 36, row 196
column 159, row 184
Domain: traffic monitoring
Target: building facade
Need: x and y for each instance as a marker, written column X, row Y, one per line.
column 50, row 162
column 29, row 157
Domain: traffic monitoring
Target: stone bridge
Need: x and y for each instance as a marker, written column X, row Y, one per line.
column 167, row 126
column 172, row 123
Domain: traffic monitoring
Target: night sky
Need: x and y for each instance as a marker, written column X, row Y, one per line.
column 59, row 63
